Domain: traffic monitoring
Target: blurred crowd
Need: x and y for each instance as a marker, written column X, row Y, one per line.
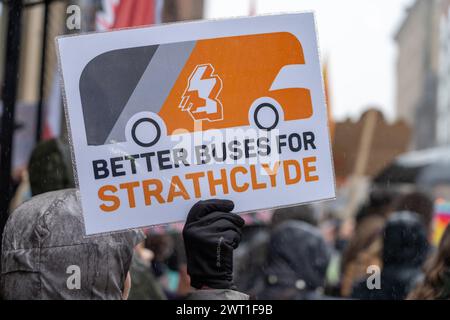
column 384, row 252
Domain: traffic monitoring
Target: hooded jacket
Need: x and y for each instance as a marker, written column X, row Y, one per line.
column 405, row 249
column 45, row 254
column 298, row 258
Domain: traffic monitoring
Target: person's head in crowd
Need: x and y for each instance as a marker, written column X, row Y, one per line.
column 329, row 226
column 368, row 229
column 46, row 255
column 380, row 203
column 362, row 250
column 436, row 282
column 298, row 258
column 50, row 167
column 305, row 213
column 405, row 249
column 162, row 245
column 419, row 203
column 404, row 240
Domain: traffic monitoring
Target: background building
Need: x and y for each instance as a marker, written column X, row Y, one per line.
column 417, row 71
column 423, row 72
column 443, row 98
column 114, row 13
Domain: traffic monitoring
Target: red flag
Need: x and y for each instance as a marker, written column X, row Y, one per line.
column 128, row 13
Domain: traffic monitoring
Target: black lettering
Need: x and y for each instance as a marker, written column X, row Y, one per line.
column 281, row 143
column 148, row 156
column 224, row 153
column 295, row 144
column 308, row 138
column 100, row 169
column 248, row 147
column 263, row 146
column 202, row 154
column 164, row 160
column 132, row 158
column 180, row 156
column 237, row 152
column 116, row 166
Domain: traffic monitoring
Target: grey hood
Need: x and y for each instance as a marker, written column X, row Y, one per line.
column 45, row 252
column 297, row 255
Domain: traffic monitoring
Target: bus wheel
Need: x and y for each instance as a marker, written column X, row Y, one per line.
column 146, row 132
column 266, row 116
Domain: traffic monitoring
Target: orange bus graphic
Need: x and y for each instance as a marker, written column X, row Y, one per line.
column 222, row 82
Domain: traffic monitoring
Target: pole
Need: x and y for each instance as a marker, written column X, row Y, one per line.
column 357, row 179
column 9, row 94
column 40, row 105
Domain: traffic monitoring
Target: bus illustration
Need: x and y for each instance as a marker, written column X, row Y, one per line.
column 142, row 93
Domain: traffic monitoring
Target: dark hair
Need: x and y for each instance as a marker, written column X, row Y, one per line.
column 366, row 233
column 302, row 213
column 419, row 203
column 50, row 168
column 379, row 203
column 436, row 283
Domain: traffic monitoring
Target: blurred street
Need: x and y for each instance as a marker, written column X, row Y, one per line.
column 386, row 74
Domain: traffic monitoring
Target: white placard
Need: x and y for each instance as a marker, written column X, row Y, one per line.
column 161, row 117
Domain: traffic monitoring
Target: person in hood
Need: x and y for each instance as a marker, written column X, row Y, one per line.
column 421, row 204
column 251, row 256
column 298, row 258
column 405, row 249
column 45, row 254
column 436, row 282
column 49, row 169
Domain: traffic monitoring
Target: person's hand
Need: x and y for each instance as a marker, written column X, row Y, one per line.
column 211, row 233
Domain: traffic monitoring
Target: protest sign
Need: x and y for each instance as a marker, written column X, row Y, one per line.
column 161, row 117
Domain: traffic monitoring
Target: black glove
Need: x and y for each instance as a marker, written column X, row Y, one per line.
column 210, row 234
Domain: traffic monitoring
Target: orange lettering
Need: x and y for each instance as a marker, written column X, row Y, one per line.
column 148, row 193
column 255, row 184
column 175, row 184
column 287, row 175
column 213, row 183
column 272, row 172
column 112, row 198
column 195, row 177
column 308, row 169
column 233, row 181
column 130, row 190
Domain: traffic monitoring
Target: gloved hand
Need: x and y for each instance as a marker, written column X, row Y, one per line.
column 211, row 233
